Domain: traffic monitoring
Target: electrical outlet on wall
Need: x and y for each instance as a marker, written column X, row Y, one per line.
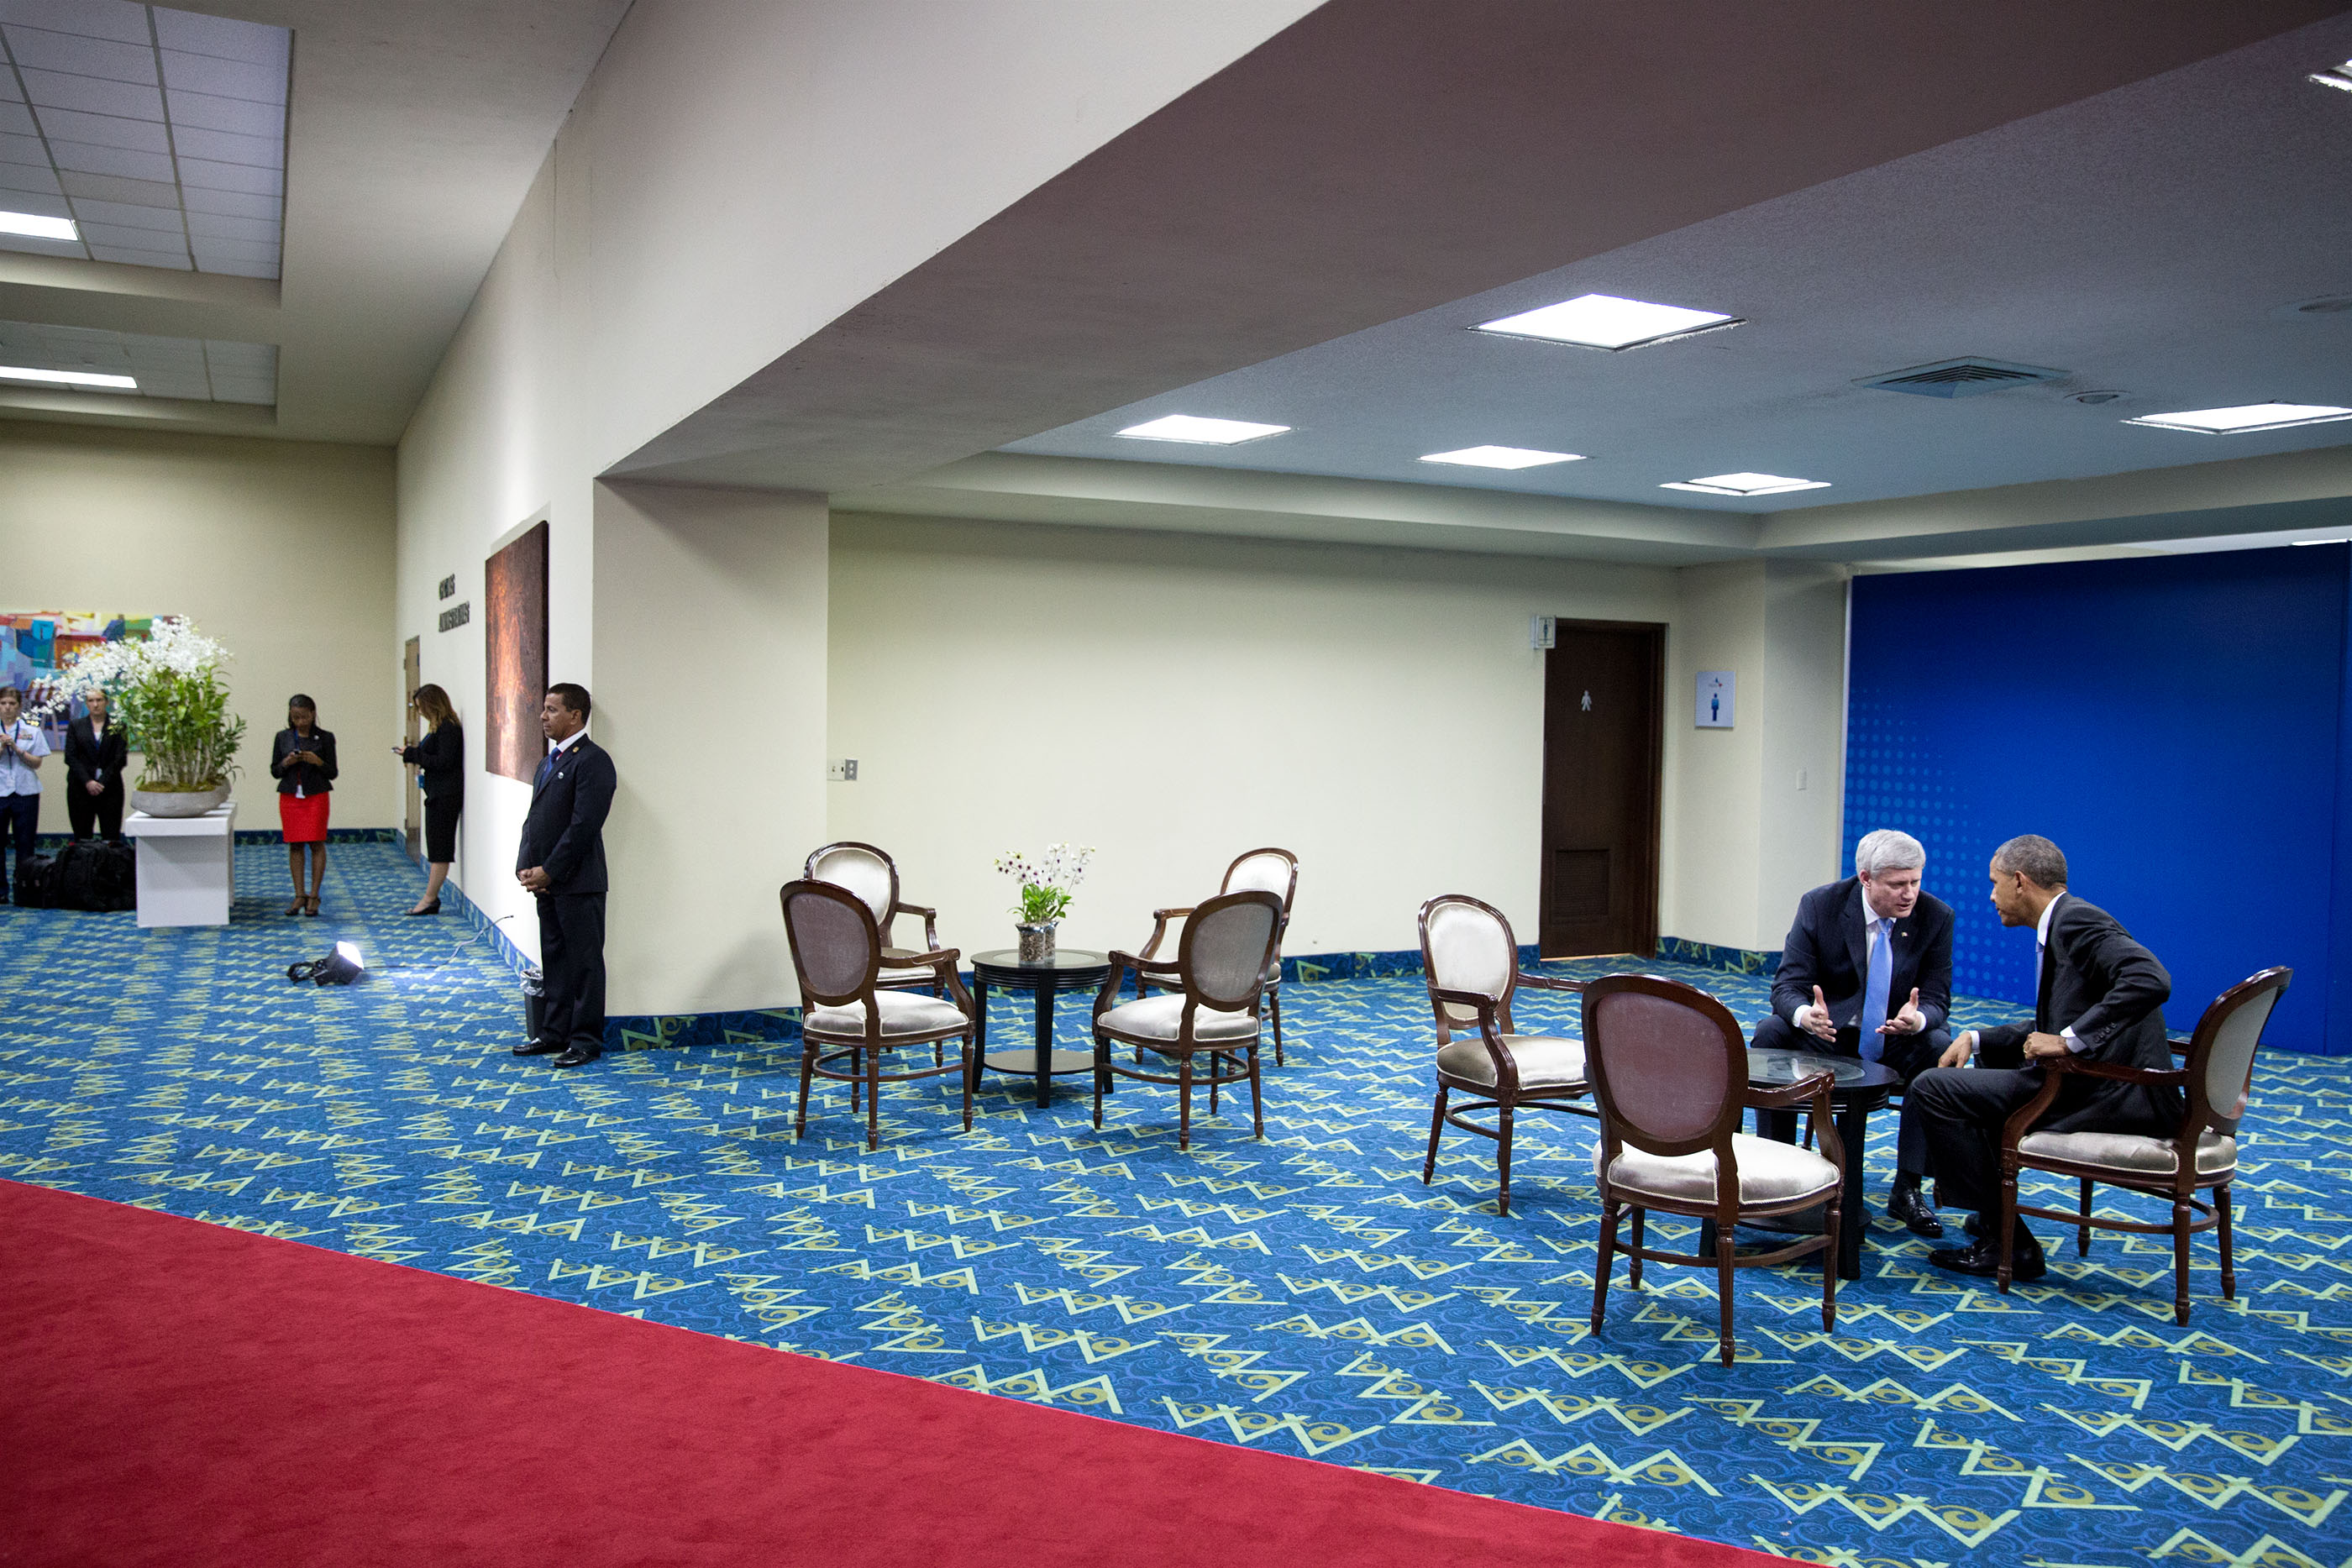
column 841, row 770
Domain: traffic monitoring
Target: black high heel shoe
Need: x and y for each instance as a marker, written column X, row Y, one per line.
column 295, row 907
column 432, row 908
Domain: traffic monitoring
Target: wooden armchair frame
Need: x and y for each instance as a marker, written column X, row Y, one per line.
column 1229, row 1060
column 2204, row 1114
column 1163, row 918
column 1727, row 1209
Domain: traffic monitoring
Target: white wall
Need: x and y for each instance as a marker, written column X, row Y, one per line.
column 281, row 549
column 1175, row 699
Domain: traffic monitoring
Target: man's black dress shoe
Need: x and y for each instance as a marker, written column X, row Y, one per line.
column 538, row 1048
column 1910, row 1206
column 578, row 1056
column 1981, row 1258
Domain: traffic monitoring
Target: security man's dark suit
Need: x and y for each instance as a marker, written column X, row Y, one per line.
column 564, row 835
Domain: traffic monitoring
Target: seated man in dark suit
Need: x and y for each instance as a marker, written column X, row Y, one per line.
column 2100, row 996
column 1867, row 971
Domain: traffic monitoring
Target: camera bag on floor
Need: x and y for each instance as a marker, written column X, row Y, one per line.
column 94, row 876
column 35, row 882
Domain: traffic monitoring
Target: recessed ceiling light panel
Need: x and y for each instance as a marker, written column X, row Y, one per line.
column 2245, row 418
column 1502, row 457
column 2337, row 77
column 68, row 377
column 1605, row 321
column 33, row 225
column 1200, row 431
column 1747, row 485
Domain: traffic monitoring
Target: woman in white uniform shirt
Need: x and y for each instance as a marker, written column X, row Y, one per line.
column 22, row 747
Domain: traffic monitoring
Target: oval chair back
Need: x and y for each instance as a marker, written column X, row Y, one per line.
column 2222, row 1054
column 1265, row 871
column 1466, row 945
column 864, row 870
column 1226, row 944
column 837, row 947
column 1668, row 1062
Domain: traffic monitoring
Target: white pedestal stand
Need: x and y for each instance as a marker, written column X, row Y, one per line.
column 187, row 866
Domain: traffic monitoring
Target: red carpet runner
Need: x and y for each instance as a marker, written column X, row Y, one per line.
column 173, row 1392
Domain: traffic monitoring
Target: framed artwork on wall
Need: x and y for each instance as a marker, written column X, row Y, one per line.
column 515, row 644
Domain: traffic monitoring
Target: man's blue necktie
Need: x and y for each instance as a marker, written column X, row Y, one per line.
column 1875, row 989
column 545, row 763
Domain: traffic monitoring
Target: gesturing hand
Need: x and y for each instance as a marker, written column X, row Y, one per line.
column 1909, row 1020
column 1814, row 1017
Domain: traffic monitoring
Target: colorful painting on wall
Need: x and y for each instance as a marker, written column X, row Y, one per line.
column 37, row 645
column 515, row 641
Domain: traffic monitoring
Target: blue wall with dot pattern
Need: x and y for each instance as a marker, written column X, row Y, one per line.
column 2175, row 724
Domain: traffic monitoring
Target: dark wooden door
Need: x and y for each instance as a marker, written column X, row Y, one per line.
column 411, row 673
column 1604, row 733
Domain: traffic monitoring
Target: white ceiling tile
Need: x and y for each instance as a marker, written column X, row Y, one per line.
column 255, row 42
column 245, row 392
column 176, row 260
column 227, row 147
column 43, row 50
column 229, row 79
column 46, row 204
column 241, row 359
column 128, row 215
column 117, row 19
column 209, row 111
column 216, row 225
column 19, row 147
column 244, row 269
column 233, row 204
column 21, row 180
column 15, row 119
column 103, row 129
column 212, row 176
column 115, row 188
column 130, row 100
column 232, row 249
column 41, row 246
column 121, row 235
column 9, row 93
column 79, row 157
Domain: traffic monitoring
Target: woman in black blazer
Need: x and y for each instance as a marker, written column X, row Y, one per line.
column 96, row 754
column 440, row 759
column 303, row 760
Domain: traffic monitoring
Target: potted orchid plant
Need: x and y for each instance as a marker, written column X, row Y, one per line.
column 168, row 689
column 1046, row 885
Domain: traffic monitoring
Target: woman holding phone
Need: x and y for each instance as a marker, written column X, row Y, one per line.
column 440, row 759
column 303, row 760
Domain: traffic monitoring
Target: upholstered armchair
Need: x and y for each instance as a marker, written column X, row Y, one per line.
column 1669, row 1066
column 848, row 1017
column 1472, row 964
column 2216, row 1078
column 873, row 876
column 1208, row 1006
column 1265, row 870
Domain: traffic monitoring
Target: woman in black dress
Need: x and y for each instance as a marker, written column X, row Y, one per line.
column 303, row 760
column 440, row 759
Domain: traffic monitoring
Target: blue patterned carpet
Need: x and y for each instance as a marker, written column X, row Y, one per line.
column 1305, row 1294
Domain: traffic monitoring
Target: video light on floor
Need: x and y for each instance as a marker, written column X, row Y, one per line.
column 1502, row 457
column 2244, row 418
column 68, row 377
column 340, row 968
column 33, row 225
column 1747, row 485
column 1605, row 321
column 1200, row 431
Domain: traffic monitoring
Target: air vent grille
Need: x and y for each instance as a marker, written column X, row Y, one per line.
column 1960, row 378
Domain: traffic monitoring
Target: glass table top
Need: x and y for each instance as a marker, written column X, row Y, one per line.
column 1772, row 1066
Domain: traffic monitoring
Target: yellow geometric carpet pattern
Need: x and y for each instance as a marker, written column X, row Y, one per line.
column 1305, row 1294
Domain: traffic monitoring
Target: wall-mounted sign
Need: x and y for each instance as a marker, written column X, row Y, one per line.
column 449, row 586
column 1716, row 691
column 457, row 615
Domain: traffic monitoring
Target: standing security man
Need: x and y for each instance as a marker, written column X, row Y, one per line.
column 561, row 862
column 1867, row 971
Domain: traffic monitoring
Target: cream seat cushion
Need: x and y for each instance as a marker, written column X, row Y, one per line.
column 1770, row 1172
column 2216, row 1152
column 903, row 1013
column 1160, row 1017
column 1545, row 1061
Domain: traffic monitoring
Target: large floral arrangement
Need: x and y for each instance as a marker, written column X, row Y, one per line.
column 168, row 691
column 1047, row 882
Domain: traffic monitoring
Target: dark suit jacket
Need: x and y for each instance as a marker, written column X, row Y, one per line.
column 314, row 777
column 1828, row 946
column 440, row 759
column 565, row 830
column 2110, row 989
column 90, row 760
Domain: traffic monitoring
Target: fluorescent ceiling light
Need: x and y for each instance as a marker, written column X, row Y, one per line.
column 2320, row 541
column 1205, row 431
column 1605, row 321
column 2337, row 77
column 2245, row 418
column 68, row 377
column 1747, row 484
column 34, row 227
column 1502, row 457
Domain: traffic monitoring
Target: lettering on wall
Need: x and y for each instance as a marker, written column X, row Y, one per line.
column 449, row 586
column 457, row 615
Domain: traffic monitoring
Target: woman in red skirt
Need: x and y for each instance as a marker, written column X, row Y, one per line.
column 303, row 760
